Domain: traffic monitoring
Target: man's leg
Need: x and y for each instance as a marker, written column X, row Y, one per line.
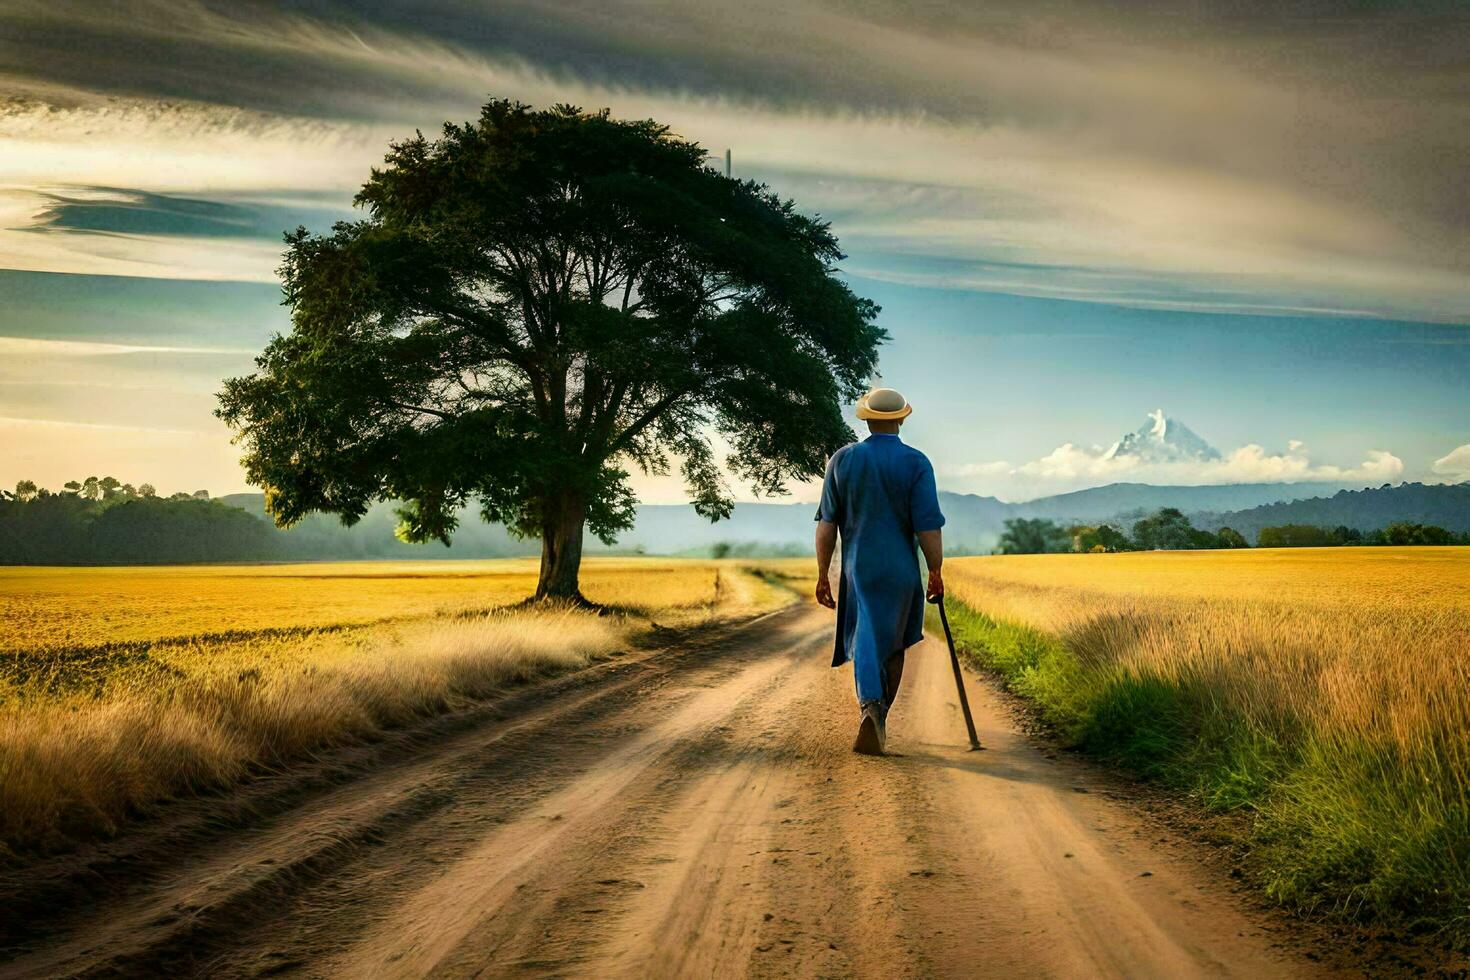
column 867, row 672
column 867, row 669
column 892, row 677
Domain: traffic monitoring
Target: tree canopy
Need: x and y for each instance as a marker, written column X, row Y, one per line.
column 535, row 302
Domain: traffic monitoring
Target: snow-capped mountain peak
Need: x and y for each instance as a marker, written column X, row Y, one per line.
column 1162, row 440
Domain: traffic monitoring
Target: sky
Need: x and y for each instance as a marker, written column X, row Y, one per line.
column 1252, row 215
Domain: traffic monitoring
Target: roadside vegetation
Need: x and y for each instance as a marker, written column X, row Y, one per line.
column 1170, row 529
column 122, row 688
column 1322, row 697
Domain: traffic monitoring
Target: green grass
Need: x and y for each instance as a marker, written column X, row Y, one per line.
column 1329, row 827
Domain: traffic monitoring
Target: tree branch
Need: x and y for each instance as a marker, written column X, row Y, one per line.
column 447, row 416
column 644, row 421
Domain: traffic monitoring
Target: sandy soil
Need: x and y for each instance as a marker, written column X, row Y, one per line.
column 692, row 811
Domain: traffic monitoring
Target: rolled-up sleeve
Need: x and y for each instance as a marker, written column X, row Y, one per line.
column 830, row 509
column 924, row 500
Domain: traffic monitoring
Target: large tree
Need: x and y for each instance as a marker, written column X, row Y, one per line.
column 533, row 303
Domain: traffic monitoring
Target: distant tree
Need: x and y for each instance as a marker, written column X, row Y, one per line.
column 1295, row 536
column 720, row 549
column 201, row 495
column 25, row 490
column 1200, row 539
column 1026, row 536
column 72, row 486
column 1344, row 535
column 1168, row 530
column 108, row 487
column 1113, row 539
column 1431, row 534
column 1405, row 533
column 92, row 488
column 537, row 301
column 1096, row 540
column 1231, row 538
column 147, row 490
column 45, row 528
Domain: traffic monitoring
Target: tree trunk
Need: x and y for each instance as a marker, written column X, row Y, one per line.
column 561, row 550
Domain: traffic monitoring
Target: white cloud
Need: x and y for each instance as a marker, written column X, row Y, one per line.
column 1454, row 463
column 1072, row 467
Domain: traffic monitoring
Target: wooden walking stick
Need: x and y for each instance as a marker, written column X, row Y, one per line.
column 959, row 678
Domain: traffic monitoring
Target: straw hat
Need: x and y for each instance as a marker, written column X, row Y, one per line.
column 883, row 404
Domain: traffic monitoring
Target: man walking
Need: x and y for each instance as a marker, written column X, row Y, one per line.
column 880, row 495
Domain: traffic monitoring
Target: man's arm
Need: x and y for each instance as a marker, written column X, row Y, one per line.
column 928, row 519
column 826, row 544
column 829, row 514
column 932, row 544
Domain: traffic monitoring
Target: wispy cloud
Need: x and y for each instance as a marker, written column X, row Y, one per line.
column 1166, row 169
column 44, row 347
column 7, row 422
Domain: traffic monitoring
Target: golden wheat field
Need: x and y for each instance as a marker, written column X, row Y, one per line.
column 1436, row 579
column 123, row 686
column 49, row 607
column 1326, row 691
column 1347, row 642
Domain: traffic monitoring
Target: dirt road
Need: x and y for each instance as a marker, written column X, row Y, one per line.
column 693, row 811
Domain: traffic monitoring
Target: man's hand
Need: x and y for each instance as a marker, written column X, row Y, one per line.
column 826, row 545
column 935, row 592
column 931, row 543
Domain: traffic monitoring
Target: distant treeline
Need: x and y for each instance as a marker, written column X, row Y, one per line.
column 1170, row 530
column 105, row 521
column 102, row 521
column 1365, row 511
column 1397, row 533
column 751, row 549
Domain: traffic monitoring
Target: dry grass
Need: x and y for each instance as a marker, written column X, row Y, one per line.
column 1324, row 692
column 51, row 607
column 256, row 666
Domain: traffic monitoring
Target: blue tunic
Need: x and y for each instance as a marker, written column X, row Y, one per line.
column 879, row 493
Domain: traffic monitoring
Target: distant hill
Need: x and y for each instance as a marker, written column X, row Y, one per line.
column 974, row 522
column 973, row 525
column 1447, row 506
column 1102, row 503
column 324, row 536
